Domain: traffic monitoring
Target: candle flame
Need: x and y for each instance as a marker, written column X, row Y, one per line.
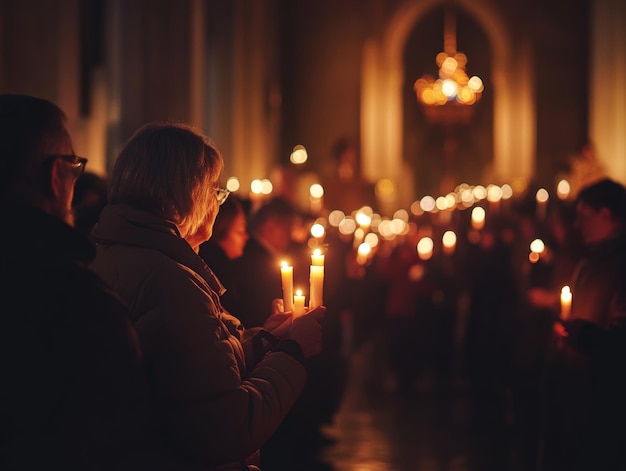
column 298, row 292
column 317, row 252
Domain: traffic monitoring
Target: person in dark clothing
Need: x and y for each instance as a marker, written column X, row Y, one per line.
column 584, row 382
column 90, row 196
column 258, row 270
column 221, row 389
column 225, row 246
column 73, row 395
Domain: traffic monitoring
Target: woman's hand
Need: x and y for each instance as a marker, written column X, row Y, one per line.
column 279, row 322
column 307, row 331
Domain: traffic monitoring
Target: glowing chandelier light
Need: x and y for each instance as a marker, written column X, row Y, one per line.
column 453, row 85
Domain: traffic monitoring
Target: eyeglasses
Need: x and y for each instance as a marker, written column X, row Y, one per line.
column 78, row 163
column 221, row 195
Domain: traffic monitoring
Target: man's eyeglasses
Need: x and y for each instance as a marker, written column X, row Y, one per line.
column 78, row 163
column 221, row 195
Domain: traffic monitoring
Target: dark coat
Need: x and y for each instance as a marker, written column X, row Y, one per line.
column 73, row 393
column 584, row 407
column 226, row 271
column 218, row 405
column 258, row 282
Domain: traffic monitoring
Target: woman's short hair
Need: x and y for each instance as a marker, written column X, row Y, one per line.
column 169, row 169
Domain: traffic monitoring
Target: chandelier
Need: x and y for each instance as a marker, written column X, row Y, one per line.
column 453, row 87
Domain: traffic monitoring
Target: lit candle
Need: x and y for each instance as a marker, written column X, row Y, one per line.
column 286, row 275
column 317, row 258
column 298, row 303
column 449, row 242
column 316, row 280
column 362, row 253
column 425, row 248
column 566, row 302
column 478, row 218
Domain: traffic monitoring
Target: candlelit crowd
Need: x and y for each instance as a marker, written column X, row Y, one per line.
column 156, row 333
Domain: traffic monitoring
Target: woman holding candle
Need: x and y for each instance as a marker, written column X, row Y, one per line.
column 221, row 392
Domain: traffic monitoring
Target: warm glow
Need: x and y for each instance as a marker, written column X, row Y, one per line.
column 566, row 302
column 298, row 155
column 266, row 186
column 317, row 230
column 542, row 195
column 563, row 189
column 401, row 214
column 427, row 203
column 467, row 197
column 453, row 84
column 441, row 203
column 507, row 191
column 316, row 190
column 451, row 200
column 364, row 248
column 449, row 241
column 385, row 188
column 363, row 219
column 371, row 239
column 480, row 192
column 335, row 217
column 478, row 217
column 362, row 253
column 398, row 226
column 256, row 187
column 232, row 184
column 494, row 193
column 385, row 229
column 425, row 248
column 416, row 208
column 347, row 226
column 537, row 246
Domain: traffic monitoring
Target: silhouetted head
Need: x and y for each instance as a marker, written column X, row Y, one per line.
column 601, row 210
column 37, row 161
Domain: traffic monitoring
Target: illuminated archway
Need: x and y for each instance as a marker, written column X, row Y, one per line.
column 381, row 96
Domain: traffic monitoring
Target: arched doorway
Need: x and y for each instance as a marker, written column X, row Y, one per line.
column 383, row 82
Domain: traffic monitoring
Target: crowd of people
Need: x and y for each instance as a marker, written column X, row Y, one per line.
column 146, row 328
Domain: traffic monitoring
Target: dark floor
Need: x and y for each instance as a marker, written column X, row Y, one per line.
column 430, row 428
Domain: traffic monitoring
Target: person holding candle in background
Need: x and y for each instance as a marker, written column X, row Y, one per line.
column 221, row 390
column 585, row 383
column 226, row 245
column 259, row 268
column 273, row 266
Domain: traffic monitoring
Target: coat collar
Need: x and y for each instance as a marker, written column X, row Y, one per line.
column 35, row 233
column 121, row 224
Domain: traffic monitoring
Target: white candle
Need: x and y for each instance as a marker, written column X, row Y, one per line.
column 566, row 302
column 298, row 303
column 478, row 218
column 286, row 275
column 316, row 281
column 449, row 242
column 317, row 258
